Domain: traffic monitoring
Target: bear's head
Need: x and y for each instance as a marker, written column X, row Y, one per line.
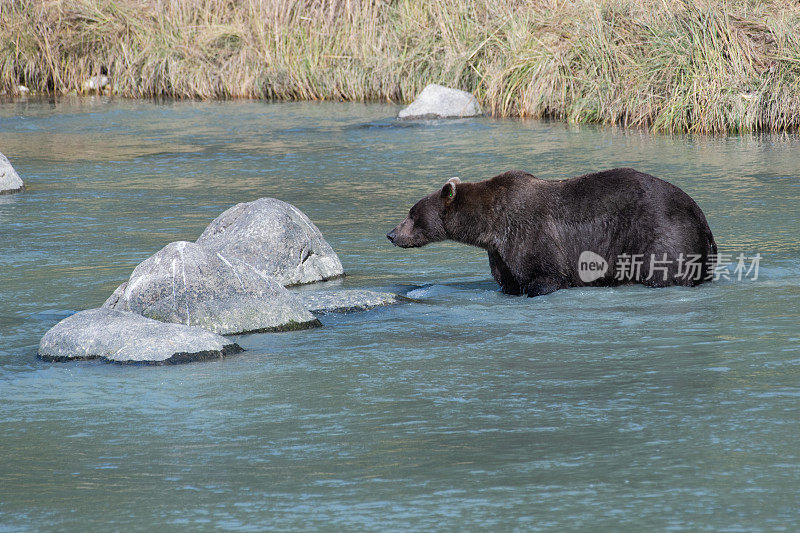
column 425, row 221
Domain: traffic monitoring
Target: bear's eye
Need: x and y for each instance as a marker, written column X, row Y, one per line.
column 451, row 192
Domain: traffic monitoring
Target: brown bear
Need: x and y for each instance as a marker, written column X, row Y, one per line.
column 609, row 228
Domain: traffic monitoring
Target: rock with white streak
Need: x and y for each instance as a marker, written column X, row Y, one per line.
column 186, row 283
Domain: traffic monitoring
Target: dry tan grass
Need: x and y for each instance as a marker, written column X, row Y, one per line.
column 667, row 65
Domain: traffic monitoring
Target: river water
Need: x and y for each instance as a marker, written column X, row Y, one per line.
column 604, row 408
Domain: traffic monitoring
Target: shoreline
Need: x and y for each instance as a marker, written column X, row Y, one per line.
column 106, row 98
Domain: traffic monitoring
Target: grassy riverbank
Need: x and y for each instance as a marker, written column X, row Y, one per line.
column 665, row 64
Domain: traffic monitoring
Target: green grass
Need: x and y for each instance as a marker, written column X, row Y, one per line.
column 667, row 65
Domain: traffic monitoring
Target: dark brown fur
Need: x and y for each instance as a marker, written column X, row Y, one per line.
column 535, row 230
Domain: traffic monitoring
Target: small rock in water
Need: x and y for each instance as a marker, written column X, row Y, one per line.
column 10, row 181
column 276, row 239
column 323, row 301
column 123, row 337
column 436, row 101
column 186, row 283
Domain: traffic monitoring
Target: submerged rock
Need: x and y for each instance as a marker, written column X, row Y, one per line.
column 186, row 283
column 323, row 301
column 10, row 181
column 274, row 238
column 436, row 101
column 124, row 337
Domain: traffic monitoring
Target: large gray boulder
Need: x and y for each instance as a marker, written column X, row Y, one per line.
column 436, row 101
column 274, row 238
column 186, row 283
column 9, row 179
column 122, row 337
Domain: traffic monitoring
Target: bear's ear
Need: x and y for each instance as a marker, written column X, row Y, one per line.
column 449, row 190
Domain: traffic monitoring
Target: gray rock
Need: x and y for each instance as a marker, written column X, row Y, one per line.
column 9, row 179
column 96, row 83
column 113, row 301
column 436, row 101
column 276, row 239
column 325, row 301
column 187, row 284
column 122, row 337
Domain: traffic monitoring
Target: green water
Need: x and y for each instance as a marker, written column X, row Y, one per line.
column 587, row 409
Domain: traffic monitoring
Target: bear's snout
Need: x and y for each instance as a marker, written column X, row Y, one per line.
column 399, row 236
column 406, row 235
